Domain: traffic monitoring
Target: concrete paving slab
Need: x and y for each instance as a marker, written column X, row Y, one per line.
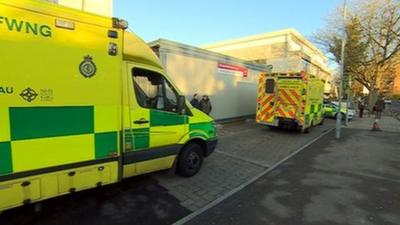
column 245, row 150
column 220, row 174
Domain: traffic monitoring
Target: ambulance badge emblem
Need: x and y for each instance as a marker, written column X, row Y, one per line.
column 87, row 67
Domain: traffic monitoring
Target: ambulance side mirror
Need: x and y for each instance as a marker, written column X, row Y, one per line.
column 181, row 105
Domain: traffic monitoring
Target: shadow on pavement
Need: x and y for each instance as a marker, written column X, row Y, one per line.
column 140, row 200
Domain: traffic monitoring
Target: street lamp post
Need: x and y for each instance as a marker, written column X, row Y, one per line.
column 339, row 114
column 349, row 100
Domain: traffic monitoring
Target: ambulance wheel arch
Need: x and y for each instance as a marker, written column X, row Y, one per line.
column 196, row 148
column 198, row 144
column 322, row 121
column 305, row 129
column 200, row 141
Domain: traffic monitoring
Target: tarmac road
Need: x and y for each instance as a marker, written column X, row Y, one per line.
column 353, row 181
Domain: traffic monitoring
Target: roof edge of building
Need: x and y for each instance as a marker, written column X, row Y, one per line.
column 257, row 37
column 174, row 46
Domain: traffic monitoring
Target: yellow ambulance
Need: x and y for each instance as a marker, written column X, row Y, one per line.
column 290, row 100
column 85, row 103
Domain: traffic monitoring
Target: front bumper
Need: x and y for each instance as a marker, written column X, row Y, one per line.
column 211, row 145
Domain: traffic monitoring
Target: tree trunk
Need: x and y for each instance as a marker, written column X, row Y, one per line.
column 373, row 97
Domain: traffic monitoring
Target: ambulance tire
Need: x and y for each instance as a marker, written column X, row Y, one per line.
column 303, row 130
column 190, row 160
column 306, row 130
column 322, row 122
column 272, row 127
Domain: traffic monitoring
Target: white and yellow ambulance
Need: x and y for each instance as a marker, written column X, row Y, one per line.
column 84, row 103
column 291, row 100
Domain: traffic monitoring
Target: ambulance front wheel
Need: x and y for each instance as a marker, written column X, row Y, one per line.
column 190, row 160
column 304, row 130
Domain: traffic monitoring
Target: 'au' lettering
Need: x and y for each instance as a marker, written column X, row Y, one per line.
column 6, row 90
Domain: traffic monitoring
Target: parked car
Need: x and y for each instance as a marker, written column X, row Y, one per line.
column 331, row 110
column 344, row 104
column 388, row 101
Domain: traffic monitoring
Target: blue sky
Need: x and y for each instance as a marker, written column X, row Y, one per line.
column 204, row 22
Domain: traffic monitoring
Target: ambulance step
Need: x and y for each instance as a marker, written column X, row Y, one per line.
column 18, row 193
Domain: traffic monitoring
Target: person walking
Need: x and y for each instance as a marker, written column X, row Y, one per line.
column 195, row 101
column 379, row 107
column 361, row 107
column 205, row 105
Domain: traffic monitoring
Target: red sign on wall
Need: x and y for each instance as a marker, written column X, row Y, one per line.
column 233, row 69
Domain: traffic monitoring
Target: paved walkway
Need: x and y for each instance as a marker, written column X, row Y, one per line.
column 355, row 180
column 386, row 123
column 245, row 150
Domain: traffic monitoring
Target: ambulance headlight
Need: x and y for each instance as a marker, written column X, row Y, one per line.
column 214, row 124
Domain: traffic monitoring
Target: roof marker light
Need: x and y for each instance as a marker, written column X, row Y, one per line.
column 65, row 24
column 119, row 24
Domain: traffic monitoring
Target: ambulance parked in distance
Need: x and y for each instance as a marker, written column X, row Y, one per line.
column 290, row 100
column 85, row 104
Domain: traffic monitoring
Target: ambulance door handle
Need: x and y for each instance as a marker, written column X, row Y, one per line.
column 141, row 121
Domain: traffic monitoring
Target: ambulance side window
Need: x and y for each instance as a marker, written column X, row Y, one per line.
column 153, row 91
column 269, row 86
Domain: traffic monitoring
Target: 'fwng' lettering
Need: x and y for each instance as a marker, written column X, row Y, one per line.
column 24, row 26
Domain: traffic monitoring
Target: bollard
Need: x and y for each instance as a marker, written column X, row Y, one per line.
column 375, row 125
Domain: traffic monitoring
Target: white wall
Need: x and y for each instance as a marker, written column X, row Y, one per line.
column 231, row 96
column 250, row 44
column 101, row 7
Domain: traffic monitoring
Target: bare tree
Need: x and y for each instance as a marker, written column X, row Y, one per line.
column 373, row 42
column 380, row 22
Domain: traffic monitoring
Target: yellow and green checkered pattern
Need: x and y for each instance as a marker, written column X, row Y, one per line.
column 39, row 137
column 315, row 113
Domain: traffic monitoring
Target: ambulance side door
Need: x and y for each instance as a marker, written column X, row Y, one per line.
column 157, row 126
column 136, row 130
